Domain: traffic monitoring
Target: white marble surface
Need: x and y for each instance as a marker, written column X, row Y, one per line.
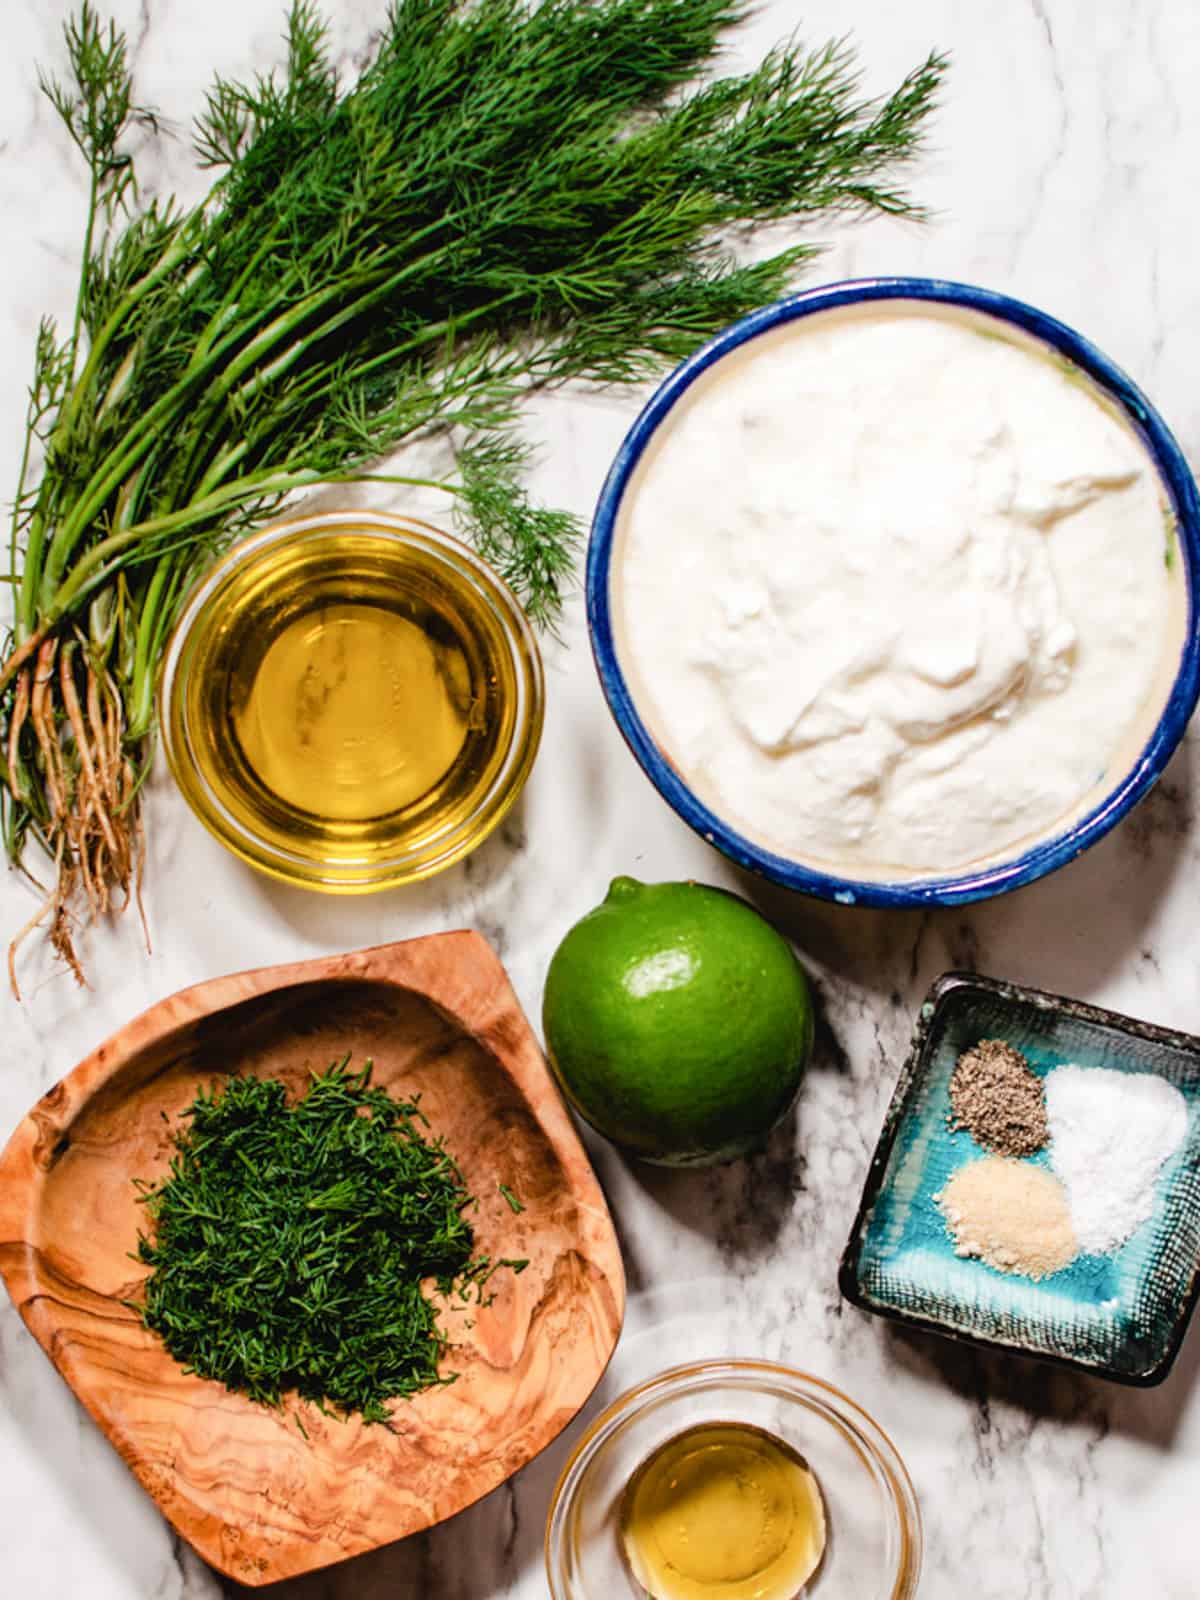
column 1063, row 169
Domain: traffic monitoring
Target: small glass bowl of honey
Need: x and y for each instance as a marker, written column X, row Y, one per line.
column 351, row 700
column 734, row 1480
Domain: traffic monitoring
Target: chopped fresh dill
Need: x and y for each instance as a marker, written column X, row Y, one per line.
column 514, row 1204
column 289, row 1243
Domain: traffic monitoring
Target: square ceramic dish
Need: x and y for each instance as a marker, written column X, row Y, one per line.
column 1122, row 1316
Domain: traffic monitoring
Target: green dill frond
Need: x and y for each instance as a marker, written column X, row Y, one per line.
column 513, row 193
column 532, row 547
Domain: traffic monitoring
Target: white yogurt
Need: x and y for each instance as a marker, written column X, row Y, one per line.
column 897, row 590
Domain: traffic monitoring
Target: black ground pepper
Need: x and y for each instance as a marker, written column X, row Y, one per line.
column 998, row 1098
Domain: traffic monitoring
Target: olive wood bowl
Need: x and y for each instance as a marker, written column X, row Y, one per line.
column 238, row 1480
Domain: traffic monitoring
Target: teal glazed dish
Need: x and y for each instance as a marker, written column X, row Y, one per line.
column 1129, row 781
column 1121, row 1317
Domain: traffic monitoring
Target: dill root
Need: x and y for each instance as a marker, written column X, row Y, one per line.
column 514, row 193
column 289, row 1243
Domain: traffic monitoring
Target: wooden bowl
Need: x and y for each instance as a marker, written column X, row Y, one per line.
column 239, row 1481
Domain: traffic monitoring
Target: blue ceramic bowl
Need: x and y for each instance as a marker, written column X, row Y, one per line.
column 997, row 877
column 1121, row 1316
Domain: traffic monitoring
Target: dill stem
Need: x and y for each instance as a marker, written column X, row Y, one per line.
column 295, row 316
column 31, row 572
column 282, row 363
column 18, row 501
column 155, row 616
column 95, row 564
column 141, row 437
column 105, row 480
column 85, row 268
column 220, row 469
column 81, row 387
column 346, row 314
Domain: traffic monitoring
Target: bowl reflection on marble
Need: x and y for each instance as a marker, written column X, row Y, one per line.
column 873, row 1548
column 666, row 747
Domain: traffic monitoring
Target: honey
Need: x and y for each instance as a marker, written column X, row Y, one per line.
column 355, row 703
column 723, row 1509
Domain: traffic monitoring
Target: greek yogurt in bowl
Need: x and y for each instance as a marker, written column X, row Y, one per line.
column 890, row 590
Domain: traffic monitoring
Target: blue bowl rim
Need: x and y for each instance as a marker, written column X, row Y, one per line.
column 1049, row 854
column 947, row 990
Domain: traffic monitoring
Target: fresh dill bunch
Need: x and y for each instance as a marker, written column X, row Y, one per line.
column 289, row 1242
column 512, row 194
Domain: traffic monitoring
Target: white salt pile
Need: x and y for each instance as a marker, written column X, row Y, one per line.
column 1110, row 1135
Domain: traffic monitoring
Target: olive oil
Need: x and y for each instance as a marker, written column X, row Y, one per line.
column 723, row 1509
column 354, row 711
column 355, row 705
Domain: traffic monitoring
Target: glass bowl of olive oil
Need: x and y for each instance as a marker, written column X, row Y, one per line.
column 351, row 700
column 734, row 1480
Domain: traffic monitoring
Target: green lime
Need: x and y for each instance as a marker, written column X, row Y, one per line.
column 677, row 1021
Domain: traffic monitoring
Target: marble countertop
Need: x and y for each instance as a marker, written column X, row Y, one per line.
column 1061, row 169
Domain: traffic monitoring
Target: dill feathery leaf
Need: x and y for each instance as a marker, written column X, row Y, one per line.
column 288, row 1243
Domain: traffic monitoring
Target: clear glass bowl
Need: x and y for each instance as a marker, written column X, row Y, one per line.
column 873, row 1549
column 263, row 585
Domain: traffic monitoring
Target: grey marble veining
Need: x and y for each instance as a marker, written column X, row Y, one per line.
column 1061, row 168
